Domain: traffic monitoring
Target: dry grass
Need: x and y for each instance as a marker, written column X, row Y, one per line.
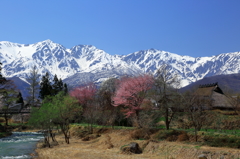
column 108, row 145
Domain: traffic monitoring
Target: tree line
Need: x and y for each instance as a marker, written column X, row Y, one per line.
column 139, row 101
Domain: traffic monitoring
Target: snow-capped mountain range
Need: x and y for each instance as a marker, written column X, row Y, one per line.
column 85, row 63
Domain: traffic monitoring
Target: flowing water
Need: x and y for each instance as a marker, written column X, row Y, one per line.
column 19, row 145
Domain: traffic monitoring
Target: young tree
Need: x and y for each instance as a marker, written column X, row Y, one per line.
column 33, row 89
column 67, row 109
column 131, row 93
column 166, row 86
column 45, row 86
column 42, row 118
column 56, row 110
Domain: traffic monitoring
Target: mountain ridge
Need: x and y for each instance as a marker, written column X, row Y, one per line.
column 48, row 56
column 228, row 83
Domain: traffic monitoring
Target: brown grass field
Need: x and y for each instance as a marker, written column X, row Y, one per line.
column 108, row 145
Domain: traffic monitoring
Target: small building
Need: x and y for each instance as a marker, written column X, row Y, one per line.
column 215, row 93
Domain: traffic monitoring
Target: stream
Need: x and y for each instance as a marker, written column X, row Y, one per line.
column 19, row 145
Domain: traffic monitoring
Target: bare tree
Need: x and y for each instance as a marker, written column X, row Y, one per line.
column 166, row 89
column 33, row 89
column 234, row 102
column 197, row 109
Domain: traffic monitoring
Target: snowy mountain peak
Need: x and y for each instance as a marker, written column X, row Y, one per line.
column 47, row 42
column 86, row 63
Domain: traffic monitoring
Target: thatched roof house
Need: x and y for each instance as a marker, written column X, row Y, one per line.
column 215, row 93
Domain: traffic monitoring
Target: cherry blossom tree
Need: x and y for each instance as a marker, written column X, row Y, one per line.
column 131, row 93
column 86, row 97
column 84, row 94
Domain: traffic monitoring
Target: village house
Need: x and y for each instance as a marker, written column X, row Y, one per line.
column 218, row 99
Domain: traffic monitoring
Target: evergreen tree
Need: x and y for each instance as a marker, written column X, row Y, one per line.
column 57, row 85
column 65, row 89
column 20, row 99
column 60, row 85
column 45, row 87
column 55, row 88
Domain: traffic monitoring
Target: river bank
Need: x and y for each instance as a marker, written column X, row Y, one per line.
column 5, row 134
column 107, row 145
column 16, row 128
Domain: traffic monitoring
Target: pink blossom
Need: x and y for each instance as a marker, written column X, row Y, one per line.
column 84, row 93
column 131, row 93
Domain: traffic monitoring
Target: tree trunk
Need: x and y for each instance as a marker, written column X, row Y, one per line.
column 167, row 123
column 21, row 115
column 65, row 132
column 195, row 132
column 46, row 139
column 199, row 128
column 6, row 119
column 139, row 125
column 66, row 137
column 52, row 135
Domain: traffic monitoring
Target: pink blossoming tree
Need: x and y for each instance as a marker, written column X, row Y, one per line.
column 84, row 94
column 131, row 93
column 86, row 97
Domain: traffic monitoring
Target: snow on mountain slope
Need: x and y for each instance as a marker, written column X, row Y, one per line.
column 89, row 58
column 85, row 63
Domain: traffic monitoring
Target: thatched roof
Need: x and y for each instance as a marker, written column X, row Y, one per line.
column 221, row 101
column 213, row 91
column 208, row 89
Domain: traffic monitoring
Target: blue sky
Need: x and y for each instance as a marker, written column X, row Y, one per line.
column 186, row 27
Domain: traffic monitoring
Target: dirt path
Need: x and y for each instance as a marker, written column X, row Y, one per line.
column 108, row 145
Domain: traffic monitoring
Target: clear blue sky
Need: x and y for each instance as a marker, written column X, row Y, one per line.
column 186, row 27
